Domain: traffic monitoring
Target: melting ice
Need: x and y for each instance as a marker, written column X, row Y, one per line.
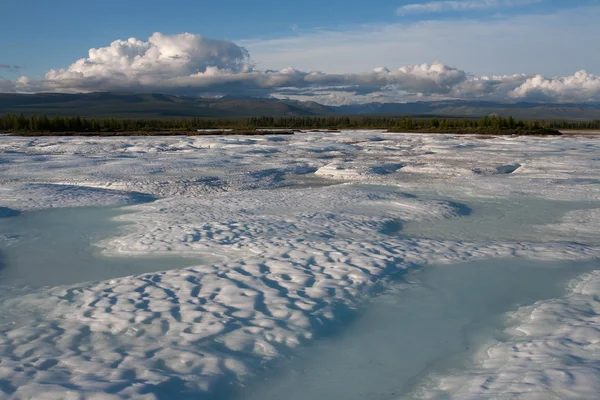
column 391, row 265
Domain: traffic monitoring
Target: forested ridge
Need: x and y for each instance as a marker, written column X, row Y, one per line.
column 20, row 123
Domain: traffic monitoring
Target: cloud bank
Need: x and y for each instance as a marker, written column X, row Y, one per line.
column 189, row 64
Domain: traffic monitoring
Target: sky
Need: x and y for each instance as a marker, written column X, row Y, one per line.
column 333, row 52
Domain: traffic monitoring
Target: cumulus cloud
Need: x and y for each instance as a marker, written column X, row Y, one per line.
column 160, row 55
column 135, row 64
column 465, row 5
column 188, row 64
column 581, row 87
column 192, row 64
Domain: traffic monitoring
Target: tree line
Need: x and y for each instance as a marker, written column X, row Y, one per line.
column 13, row 123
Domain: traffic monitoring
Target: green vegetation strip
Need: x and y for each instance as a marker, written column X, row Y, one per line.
column 37, row 126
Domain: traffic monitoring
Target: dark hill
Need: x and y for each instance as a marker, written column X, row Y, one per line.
column 152, row 105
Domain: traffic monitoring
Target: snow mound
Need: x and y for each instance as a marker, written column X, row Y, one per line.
column 260, row 220
column 501, row 169
column 355, row 171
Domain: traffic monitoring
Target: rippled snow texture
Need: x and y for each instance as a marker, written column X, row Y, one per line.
column 298, row 256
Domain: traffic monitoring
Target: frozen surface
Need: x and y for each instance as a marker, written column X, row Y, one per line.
column 552, row 353
column 518, row 219
column 55, row 247
column 389, row 347
column 312, row 226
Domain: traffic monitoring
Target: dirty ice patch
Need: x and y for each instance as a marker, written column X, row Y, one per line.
column 357, row 171
column 495, row 170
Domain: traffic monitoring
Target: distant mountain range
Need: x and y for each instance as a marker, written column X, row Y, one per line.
column 148, row 105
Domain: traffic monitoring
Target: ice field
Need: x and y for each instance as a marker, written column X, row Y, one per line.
column 323, row 265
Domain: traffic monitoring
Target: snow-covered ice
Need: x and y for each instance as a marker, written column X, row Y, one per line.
column 307, row 227
column 388, row 347
column 552, row 353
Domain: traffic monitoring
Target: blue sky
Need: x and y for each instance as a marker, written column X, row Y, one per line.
column 52, row 34
column 481, row 37
column 78, row 25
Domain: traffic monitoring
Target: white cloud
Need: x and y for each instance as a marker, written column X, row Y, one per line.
column 188, row 64
column 191, row 64
column 581, row 87
column 161, row 56
column 464, row 5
